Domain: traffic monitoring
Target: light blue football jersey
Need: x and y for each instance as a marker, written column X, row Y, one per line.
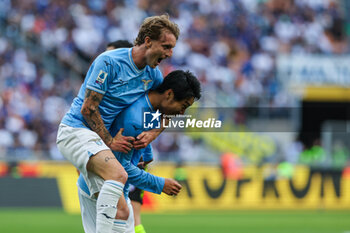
column 115, row 75
column 131, row 119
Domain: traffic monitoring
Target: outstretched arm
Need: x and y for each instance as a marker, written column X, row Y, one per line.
column 146, row 181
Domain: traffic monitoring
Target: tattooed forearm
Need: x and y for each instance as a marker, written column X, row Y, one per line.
column 93, row 96
column 92, row 115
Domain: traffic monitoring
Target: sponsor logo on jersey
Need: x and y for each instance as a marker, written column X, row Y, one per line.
column 99, row 142
column 107, row 64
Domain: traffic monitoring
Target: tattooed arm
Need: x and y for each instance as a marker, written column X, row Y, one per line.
column 93, row 117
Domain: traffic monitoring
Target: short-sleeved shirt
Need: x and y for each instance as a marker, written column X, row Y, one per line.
column 131, row 120
column 115, row 75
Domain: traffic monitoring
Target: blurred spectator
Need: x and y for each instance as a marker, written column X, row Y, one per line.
column 314, row 156
column 232, row 167
column 230, row 45
column 181, row 176
column 340, row 155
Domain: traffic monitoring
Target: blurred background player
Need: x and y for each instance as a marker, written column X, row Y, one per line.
column 135, row 194
column 118, row 44
column 180, row 175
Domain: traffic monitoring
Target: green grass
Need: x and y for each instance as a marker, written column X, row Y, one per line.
column 250, row 222
column 56, row 221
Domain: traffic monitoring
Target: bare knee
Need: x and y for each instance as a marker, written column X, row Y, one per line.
column 120, row 176
column 105, row 165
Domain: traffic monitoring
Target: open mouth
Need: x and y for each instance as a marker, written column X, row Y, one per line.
column 159, row 60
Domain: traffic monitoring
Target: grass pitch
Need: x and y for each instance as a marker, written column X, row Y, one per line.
column 57, row 221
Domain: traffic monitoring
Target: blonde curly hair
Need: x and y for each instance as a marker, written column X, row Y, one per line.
column 154, row 26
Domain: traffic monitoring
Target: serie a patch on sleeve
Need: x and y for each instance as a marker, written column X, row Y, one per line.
column 101, row 77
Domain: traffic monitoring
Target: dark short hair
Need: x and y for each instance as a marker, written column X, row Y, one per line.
column 154, row 26
column 120, row 44
column 183, row 83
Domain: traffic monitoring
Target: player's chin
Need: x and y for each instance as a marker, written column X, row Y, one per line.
column 157, row 63
column 154, row 65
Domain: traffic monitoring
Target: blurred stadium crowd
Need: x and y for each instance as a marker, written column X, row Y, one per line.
column 47, row 45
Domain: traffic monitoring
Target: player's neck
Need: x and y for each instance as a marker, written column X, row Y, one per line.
column 138, row 56
column 154, row 99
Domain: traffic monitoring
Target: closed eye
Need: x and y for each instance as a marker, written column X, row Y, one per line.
column 167, row 47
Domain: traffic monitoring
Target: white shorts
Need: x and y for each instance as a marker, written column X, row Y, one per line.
column 77, row 145
column 88, row 213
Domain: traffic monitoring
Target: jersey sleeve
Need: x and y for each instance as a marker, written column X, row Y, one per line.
column 100, row 73
column 147, row 154
column 138, row 177
column 144, row 180
column 158, row 79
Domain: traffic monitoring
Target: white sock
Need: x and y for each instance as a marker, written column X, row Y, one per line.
column 106, row 205
column 119, row 226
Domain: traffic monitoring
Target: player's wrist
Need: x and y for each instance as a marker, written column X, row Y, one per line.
column 109, row 141
column 155, row 133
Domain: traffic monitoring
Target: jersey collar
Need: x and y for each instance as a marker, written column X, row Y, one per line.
column 148, row 102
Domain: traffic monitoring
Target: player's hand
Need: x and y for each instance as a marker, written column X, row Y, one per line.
column 171, row 187
column 145, row 138
column 121, row 143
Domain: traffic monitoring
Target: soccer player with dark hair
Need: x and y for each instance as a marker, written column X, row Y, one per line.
column 177, row 92
column 116, row 79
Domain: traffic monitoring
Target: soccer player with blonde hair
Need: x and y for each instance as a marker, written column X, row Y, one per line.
column 115, row 80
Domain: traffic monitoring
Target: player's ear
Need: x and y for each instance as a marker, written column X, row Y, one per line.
column 148, row 42
column 169, row 94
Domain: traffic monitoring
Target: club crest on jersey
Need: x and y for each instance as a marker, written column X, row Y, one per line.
column 101, row 77
column 145, row 84
column 99, row 142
